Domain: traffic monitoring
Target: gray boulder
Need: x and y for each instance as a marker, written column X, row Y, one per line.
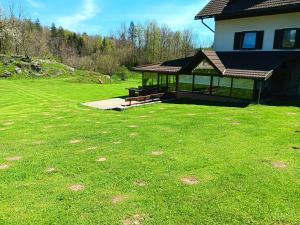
column 18, row 70
column 71, row 69
column 35, row 66
column 5, row 74
column 21, row 58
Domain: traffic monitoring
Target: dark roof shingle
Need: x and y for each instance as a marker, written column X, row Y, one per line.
column 229, row 8
column 254, row 65
column 171, row 66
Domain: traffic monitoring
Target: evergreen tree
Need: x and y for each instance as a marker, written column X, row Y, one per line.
column 132, row 32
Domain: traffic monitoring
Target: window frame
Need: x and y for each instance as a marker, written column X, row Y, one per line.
column 282, row 38
column 243, row 40
column 239, row 38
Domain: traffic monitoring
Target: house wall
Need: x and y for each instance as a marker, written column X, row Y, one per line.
column 286, row 82
column 225, row 29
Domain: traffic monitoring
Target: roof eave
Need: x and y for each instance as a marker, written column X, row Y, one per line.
column 204, row 17
column 251, row 13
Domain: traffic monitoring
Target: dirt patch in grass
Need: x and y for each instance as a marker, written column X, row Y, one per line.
column 132, row 126
column 2, row 129
column 236, row 123
column 140, row 183
column 76, row 187
column 104, row 132
column 133, row 134
column 144, row 116
column 46, row 114
column 157, row 153
column 136, row 219
column 279, row 164
column 75, row 142
column 8, row 123
column 211, row 113
column 117, row 142
column 4, row 166
column 38, row 142
column 51, row 170
column 101, row 159
column 48, row 127
column 291, row 113
column 14, row 158
column 189, row 180
column 118, row 199
column 92, row 148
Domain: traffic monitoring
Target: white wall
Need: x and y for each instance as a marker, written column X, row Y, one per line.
column 225, row 29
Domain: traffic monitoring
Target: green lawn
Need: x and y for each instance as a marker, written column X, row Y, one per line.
column 245, row 160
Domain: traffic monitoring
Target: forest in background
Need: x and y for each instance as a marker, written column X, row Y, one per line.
column 130, row 45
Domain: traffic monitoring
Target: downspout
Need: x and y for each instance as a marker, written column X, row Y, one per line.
column 260, row 91
column 202, row 20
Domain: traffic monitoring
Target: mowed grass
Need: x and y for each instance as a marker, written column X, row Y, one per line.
column 63, row 163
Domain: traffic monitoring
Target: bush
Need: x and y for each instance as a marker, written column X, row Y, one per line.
column 122, row 73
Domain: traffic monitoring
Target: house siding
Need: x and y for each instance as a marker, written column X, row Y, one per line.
column 226, row 29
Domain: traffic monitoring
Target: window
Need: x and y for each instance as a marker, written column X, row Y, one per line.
column 172, row 81
column 150, row 79
column 185, row 83
column 202, row 84
column 163, row 82
column 242, row 88
column 221, row 86
column 287, row 39
column 249, row 40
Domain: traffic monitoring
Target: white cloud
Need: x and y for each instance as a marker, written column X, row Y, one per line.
column 34, row 3
column 88, row 11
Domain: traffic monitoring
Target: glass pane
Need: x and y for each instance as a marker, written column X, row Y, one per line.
column 202, row 84
column 150, row 79
column 289, row 38
column 242, row 88
column 249, row 41
column 221, row 86
column 185, row 82
column 162, row 82
column 172, row 83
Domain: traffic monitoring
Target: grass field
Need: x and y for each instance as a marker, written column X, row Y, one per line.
column 62, row 163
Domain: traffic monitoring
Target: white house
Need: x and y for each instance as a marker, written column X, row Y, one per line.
column 256, row 54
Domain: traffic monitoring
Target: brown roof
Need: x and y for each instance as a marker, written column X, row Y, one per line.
column 172, row 66
column 254, row 65
column 242, row 8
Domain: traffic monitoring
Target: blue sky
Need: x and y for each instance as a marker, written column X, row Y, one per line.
column 105, row 16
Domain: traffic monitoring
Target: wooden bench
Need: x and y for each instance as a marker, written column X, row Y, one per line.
column 147, row 98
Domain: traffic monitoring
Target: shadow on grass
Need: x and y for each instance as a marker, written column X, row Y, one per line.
column 272, row 102
column 295, row 102
column 210, row 103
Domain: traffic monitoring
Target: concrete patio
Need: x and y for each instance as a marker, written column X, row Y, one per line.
column 116, row 104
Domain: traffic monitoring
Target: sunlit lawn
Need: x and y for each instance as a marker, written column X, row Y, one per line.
column 131, row 167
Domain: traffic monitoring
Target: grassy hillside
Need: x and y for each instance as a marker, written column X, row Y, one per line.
column 62, row 163
column 21, row 67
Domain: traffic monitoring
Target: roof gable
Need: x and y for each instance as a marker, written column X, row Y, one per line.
column 223, row 9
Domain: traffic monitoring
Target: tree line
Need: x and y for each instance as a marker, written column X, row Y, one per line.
column 129, row 45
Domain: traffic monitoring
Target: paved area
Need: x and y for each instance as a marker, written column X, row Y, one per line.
column 114, row 104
